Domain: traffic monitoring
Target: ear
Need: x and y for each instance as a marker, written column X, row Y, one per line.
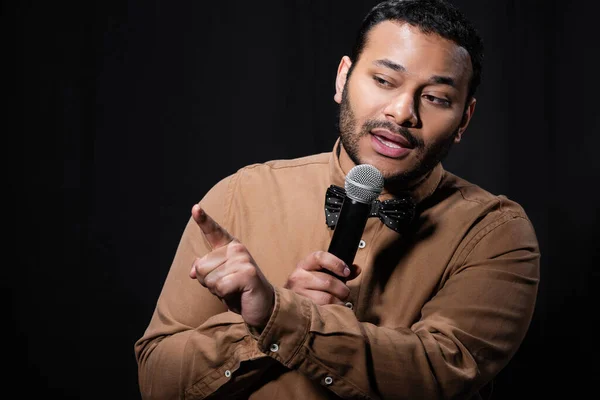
column 469, row 110
column 340, row 80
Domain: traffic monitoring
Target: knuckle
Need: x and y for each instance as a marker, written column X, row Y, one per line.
column 201, row 281
column 307, row 264
column 318, row 255
column 248, row 269
column 237, row 247
column 327, row 282
column 208, row 281
column 219, row 288
column 345, row 292
column 252, row 272
column 197, row 263
column 294, row 280
column 326, row 298
column 244, row 257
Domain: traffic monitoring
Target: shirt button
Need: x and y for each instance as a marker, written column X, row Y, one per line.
column 361, row 244
column 274, row 348
column 228, row 373
column 328, row 380
column 349, row 305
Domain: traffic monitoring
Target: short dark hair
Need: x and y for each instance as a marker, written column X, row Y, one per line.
column 431, row 16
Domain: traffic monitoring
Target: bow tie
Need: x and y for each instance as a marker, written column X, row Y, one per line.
column 394, row 213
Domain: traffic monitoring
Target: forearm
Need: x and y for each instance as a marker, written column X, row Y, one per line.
column 160, row 366
column 467, row 332
column 352, row 359
column 197, row 362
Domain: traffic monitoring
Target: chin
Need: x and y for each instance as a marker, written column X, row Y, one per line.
column 389, row 167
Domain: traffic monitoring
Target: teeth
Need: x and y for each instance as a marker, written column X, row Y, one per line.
column 388, row 144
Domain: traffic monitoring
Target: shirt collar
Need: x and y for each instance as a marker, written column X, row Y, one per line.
column 418, row 192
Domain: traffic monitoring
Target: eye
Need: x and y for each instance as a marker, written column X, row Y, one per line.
column 437, row 100
column 381, row 82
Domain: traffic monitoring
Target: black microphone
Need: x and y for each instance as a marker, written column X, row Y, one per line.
column 363, row 185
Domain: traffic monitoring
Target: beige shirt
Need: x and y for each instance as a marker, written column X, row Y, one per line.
column 436, row 312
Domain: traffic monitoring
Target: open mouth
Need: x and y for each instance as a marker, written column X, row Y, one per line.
column 388, row 143
column 393, row 140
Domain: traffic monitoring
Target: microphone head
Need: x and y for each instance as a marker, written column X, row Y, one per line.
column 364, row 183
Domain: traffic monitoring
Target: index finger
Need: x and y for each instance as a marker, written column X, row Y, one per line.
column 214, row 233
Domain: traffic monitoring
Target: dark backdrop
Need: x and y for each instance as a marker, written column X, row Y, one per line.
column 119, row 115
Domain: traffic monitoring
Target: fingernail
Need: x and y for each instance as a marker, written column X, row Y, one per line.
column 346, row 271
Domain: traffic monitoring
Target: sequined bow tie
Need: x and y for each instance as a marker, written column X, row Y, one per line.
column 394, row 213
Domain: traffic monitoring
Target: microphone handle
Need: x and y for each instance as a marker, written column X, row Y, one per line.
column 349, row 230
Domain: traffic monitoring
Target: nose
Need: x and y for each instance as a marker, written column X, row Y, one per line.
column 402, row 110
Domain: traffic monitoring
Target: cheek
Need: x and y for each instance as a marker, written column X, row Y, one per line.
column 439, row 125
column 365, row 101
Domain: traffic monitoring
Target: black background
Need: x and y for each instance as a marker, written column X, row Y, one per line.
column 120, row 115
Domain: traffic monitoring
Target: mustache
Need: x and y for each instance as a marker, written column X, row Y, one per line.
column 398, row 130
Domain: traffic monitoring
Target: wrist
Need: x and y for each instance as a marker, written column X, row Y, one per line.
column 257, row 328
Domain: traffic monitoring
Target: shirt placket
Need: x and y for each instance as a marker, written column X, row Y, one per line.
column 363, row 259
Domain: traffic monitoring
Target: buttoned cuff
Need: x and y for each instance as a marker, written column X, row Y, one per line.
column 288, row 327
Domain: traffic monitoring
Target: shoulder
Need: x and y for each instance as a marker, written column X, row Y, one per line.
column 287, row 165
column 469, row 212
column 285, row 188
column 256, row 184
column 290, row 175
column 317, row 163
column 472, row 197
column 479, row 216
column 478, row 225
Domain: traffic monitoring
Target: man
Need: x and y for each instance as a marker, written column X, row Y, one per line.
column 434, row 309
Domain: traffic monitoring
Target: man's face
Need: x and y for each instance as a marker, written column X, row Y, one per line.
column 403, row 105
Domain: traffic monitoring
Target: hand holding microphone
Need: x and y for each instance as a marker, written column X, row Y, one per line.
column 363, row 185
column 321, row 276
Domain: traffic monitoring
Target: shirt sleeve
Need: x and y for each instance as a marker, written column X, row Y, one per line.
column 467, row 333
column 192, row 344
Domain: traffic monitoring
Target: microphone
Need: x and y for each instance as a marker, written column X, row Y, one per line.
column 363, row 185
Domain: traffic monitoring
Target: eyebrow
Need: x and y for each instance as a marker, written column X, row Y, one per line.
column 437, row 79
column 389, row 64
column 442, row 80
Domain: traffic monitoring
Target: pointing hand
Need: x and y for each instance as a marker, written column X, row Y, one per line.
column 230, row 273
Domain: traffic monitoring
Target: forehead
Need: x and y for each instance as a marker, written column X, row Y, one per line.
column 422, row 54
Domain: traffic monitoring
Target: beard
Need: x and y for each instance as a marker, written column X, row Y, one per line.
column 427, row 156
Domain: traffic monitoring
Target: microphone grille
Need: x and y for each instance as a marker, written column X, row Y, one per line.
column 364, row 183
